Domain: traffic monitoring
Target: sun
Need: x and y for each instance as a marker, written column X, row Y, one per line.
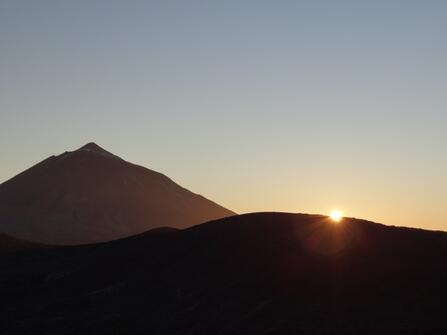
column 336, row 216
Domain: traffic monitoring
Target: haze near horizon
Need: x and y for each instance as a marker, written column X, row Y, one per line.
column 304, row 106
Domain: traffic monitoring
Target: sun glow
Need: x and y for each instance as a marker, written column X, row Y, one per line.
column 336, row 216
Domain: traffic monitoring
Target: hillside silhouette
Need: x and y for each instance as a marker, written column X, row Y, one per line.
column 90, row 195
column 12, row 244
column 261, row 273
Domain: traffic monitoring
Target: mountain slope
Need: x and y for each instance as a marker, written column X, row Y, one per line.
column 90, row 195
column 264, row 273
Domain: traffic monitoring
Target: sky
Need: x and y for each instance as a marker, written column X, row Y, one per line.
column 298, row 106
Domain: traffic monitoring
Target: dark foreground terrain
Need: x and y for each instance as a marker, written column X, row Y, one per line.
column 265, row 273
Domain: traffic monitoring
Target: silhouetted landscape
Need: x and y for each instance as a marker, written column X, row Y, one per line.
column 223, row 167
column 261, row 273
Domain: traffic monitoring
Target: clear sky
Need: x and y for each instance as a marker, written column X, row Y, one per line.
column 300, row 106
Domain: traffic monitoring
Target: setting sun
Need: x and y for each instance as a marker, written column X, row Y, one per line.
column 336, row 216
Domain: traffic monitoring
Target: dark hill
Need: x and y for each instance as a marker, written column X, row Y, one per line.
column 90, row 195
column 265, row 273
column 12, row 244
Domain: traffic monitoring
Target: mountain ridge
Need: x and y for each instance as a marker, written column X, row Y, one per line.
column 256, row 273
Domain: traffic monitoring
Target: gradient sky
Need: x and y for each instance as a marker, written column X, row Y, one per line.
column 300, row 106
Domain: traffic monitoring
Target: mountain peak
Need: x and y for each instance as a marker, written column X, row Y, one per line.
column 93, row 147
column 95, row 196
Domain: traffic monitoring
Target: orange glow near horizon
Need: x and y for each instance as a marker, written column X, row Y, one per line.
column 336, row 216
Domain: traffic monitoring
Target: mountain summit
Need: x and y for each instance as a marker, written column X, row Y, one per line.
column 90, row 195
column 93, row 147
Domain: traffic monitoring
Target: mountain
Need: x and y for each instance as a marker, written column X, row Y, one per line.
column 262, row 273
column 90, row 195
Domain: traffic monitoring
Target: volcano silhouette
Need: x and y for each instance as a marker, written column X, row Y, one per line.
column 90, row 195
